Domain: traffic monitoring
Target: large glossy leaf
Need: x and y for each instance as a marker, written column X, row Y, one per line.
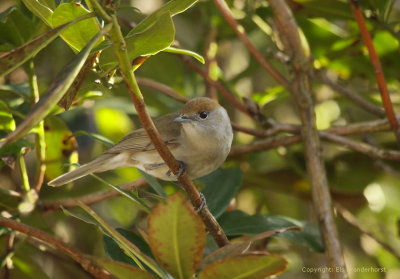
column 237, row 223
column 12, row 60
column 55, row 91
column 251, row 266
column 78, row 35
column 152, row 40
column 124, row 271
column 221, row 187
column 176, row 236
column 172, row 7
column 61, row 147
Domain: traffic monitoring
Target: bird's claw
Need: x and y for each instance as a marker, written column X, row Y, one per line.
column 203, row 203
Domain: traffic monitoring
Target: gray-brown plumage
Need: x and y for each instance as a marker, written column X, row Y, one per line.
column 200, row 137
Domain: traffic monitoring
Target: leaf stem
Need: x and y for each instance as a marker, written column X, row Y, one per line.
column 40, row 142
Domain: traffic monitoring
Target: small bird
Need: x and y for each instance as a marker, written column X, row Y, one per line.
column 199, row 137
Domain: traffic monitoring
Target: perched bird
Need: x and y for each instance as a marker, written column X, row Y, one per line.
column 200, row 137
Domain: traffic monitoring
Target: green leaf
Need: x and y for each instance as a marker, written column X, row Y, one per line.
column 61, row 147
column 186, row 52
column 78, row 35
column 11, row 60
column 331, row 9
column 154, row 184
column 152, row 40
column 173, row 7
column 124, row 271
column 114, row 251
column 249, row 266
column 176, row 236
column 221, row 187
column 7, row 122
column 58, row 88
column 40, row 9
column 237, row 223
column 15, row 28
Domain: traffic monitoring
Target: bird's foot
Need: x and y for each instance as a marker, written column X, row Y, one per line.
column 181, row 171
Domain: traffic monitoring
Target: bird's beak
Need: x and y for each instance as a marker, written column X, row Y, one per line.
column 182, row 118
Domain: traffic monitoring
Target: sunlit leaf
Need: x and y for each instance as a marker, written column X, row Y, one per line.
column 61, row 147
column 176, row 236
column 78, row 35
column 185, row 52
column 7, row 122
column 40, row 9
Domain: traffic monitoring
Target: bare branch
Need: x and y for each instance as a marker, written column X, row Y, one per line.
column 301, row 67
column 84, row 261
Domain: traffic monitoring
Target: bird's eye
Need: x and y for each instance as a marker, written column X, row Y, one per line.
column 203, row 115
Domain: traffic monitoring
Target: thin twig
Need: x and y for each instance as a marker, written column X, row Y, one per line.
column 166, row 90
column 301, row 67
column 263, row 145
column 355, row 98
column 229, row 96
column 380, row 78
column 84, row 261
column 352, row 220
column 226, row 13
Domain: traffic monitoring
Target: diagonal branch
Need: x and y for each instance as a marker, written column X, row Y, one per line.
column 380, row 78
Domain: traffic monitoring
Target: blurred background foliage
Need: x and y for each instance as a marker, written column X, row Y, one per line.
column 273, row 183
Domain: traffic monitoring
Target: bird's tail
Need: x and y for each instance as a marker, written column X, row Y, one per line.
column 98, row 165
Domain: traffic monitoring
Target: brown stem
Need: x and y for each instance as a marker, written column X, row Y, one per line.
column 301, row 67
column 226, row 13
column 380, row 78
column 84, row 261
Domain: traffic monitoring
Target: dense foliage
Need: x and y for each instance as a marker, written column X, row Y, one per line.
column 63, row 101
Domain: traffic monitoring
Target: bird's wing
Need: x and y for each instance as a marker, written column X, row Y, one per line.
column 138, row 140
